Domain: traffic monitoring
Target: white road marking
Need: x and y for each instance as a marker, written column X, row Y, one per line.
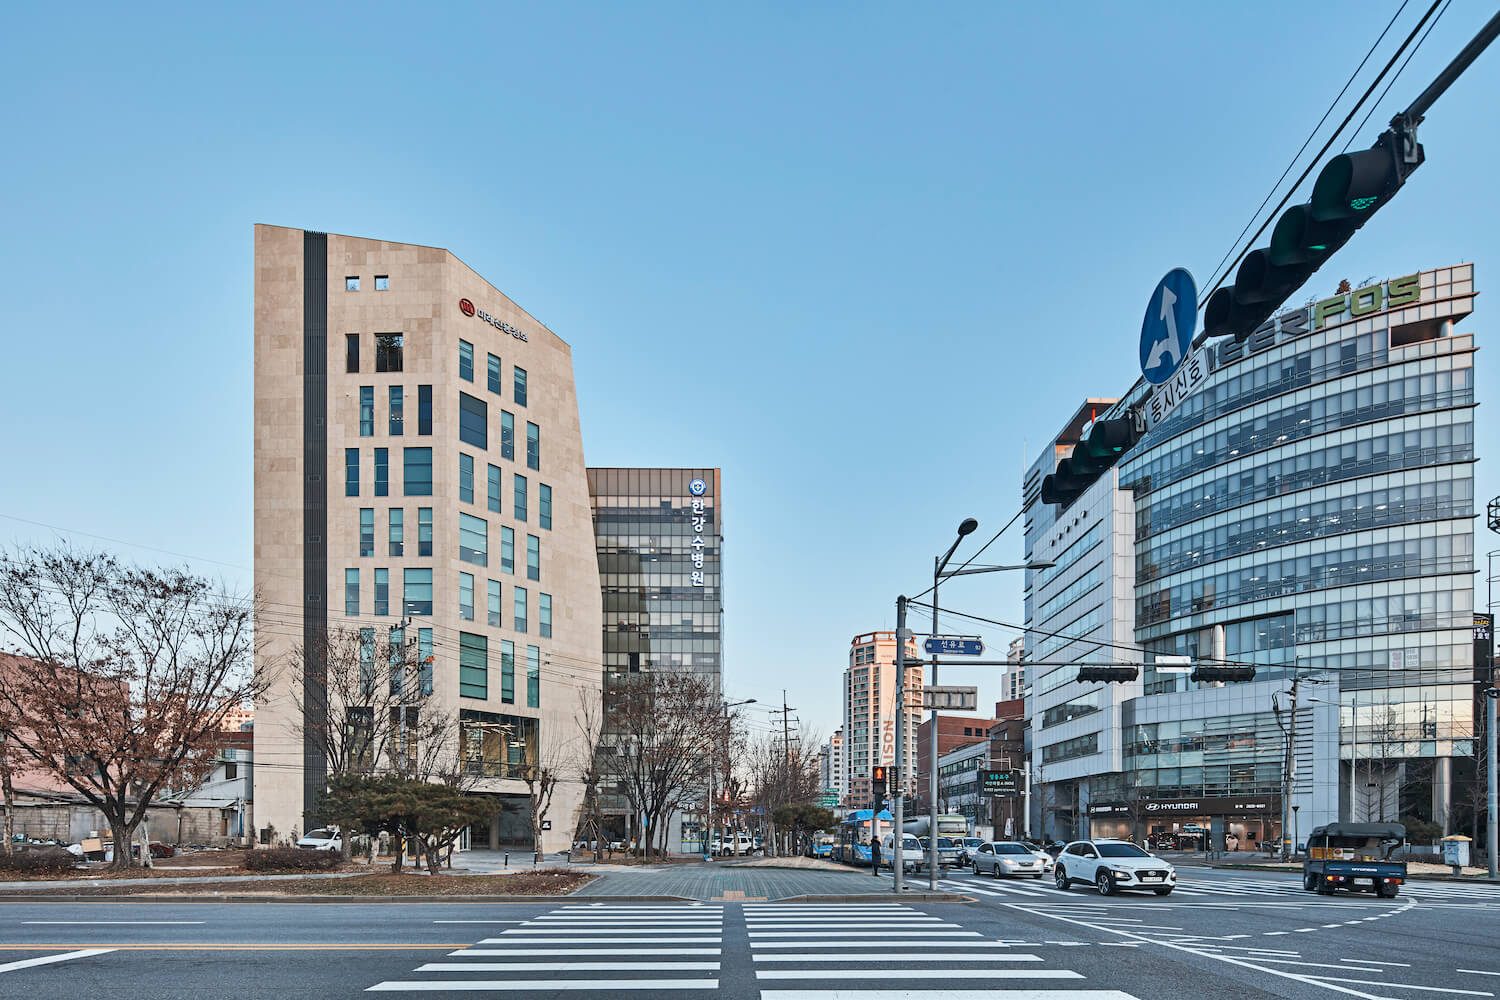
column 849, row 934
column 115, row 923
column 916, row 974
column 899, row 957
column 1477, row 972
column 67, row 956
column 943, row 995
column 1403, row 986
column 597, row 940
column 563, row 931
column 538, row 985
column 538, row 952
column 1366, row 961
column 897, row 943
column 1314, row 965
column 479, row 921
column 568, row 967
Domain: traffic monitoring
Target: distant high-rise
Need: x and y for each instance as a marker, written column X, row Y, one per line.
column 870, row 713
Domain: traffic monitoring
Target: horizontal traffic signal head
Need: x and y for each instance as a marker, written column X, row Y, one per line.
column 1349, row 190
column 1108, row 674
column 1245, row 673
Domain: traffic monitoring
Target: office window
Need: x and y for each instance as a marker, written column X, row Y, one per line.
column 416, row 479
column 544, row 615
column 382, row 472
column 366, row 411
column 507, row 671
column 507, row 435
column 351, row 593
column 416, row 591
column 518, row 505
column 396, row 528
column 466, row 596
column 533, row 557
column 518, row 615
column 533, row 677
column 351, row 283
column 494, row 488
column 494, row 373
column 367, row 661
column 424, row 409
column 466, row 361
column 351, row 472
column 473, row 421
column 507, row 549
column 424, row 531
column 473, row 666
column 493, row 607
column 520, row 388
column 395, row 661
column 396, row 407
column 465, row 478
column 424, row 659
column 382, row 282
column 388, row 352
column 367, row 531
column 533, row 446
column 544, row 506
column 351, row 352
column 473, row 540
column 382, row 592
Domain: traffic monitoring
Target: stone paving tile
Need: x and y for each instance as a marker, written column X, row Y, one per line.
column 713, row 881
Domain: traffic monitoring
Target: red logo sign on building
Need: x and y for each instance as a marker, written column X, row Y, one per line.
column 466, row 307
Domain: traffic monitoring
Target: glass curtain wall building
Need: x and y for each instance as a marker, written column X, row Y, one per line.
column 1307, row 507
column 659, row 538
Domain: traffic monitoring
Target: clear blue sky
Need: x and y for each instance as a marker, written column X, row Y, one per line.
column 863, row 257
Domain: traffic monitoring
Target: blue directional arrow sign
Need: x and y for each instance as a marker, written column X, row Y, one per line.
column 1167, row 330
column 953, row 645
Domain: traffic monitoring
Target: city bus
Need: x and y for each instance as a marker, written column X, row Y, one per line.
column 948, row 825
column 853, row 844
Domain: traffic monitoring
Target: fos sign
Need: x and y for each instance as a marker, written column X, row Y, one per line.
column 467, row 308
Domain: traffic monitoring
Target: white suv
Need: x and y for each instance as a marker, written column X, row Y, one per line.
column 1111, row 865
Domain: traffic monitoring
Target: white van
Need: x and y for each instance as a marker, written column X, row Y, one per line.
column 911, row 853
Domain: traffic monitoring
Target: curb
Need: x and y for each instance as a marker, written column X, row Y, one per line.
column 237, row 898
column 884, row 897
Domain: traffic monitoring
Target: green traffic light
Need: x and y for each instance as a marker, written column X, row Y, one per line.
column 1360, row 204
column 1318, row 246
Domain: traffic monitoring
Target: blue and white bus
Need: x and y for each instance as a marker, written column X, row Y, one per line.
column 853, row 845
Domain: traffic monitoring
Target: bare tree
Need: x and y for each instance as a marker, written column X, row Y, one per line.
column 123, row 678
column 589, row 765
column 665, row 728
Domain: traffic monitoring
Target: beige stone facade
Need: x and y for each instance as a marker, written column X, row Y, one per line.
column 434, row 301
column 870, row 723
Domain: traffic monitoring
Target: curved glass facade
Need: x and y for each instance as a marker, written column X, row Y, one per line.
column 1315, row 500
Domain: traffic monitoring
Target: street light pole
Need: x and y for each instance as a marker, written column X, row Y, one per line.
column 966, row 527
column 898, row 834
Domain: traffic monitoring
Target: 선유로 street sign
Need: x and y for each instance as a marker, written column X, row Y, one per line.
column 953, row 645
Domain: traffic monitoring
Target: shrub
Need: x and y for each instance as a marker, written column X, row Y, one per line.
column 37, row 860
column 290, row 859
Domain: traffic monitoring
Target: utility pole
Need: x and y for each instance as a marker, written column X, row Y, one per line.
column 1288, row 766
column 899, row 819
column 786, row 738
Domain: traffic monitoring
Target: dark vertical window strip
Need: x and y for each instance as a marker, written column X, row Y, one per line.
column 314, row 507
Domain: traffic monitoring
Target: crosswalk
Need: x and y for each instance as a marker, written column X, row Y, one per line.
column 789, row 951
column 598, row 948
column 1190, row 886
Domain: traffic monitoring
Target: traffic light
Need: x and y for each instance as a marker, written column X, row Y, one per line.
column 1222, row 674
column 878, row 778
column 1105, row 443
column 1350, row 189
column 1109, row 674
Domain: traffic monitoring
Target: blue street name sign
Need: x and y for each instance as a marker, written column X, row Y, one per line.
column 953, row 645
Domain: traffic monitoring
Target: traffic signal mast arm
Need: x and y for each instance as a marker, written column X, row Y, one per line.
column 1349, row 190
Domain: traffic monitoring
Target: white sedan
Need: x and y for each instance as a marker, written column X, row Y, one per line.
column 322, row 840
column 1112, row 865
column 1003, row 857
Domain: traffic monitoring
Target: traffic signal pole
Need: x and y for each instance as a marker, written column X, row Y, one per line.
column 899, row 825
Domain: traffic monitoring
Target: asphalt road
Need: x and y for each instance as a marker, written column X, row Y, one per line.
column 1244, row 935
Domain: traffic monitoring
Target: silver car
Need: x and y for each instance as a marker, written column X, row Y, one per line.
column 1004, row 857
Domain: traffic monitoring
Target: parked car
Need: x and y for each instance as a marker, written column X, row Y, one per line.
column 1112, row 865
column 1005, row 857
column 326, row 839
column 966, row 848
column 740, row 844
